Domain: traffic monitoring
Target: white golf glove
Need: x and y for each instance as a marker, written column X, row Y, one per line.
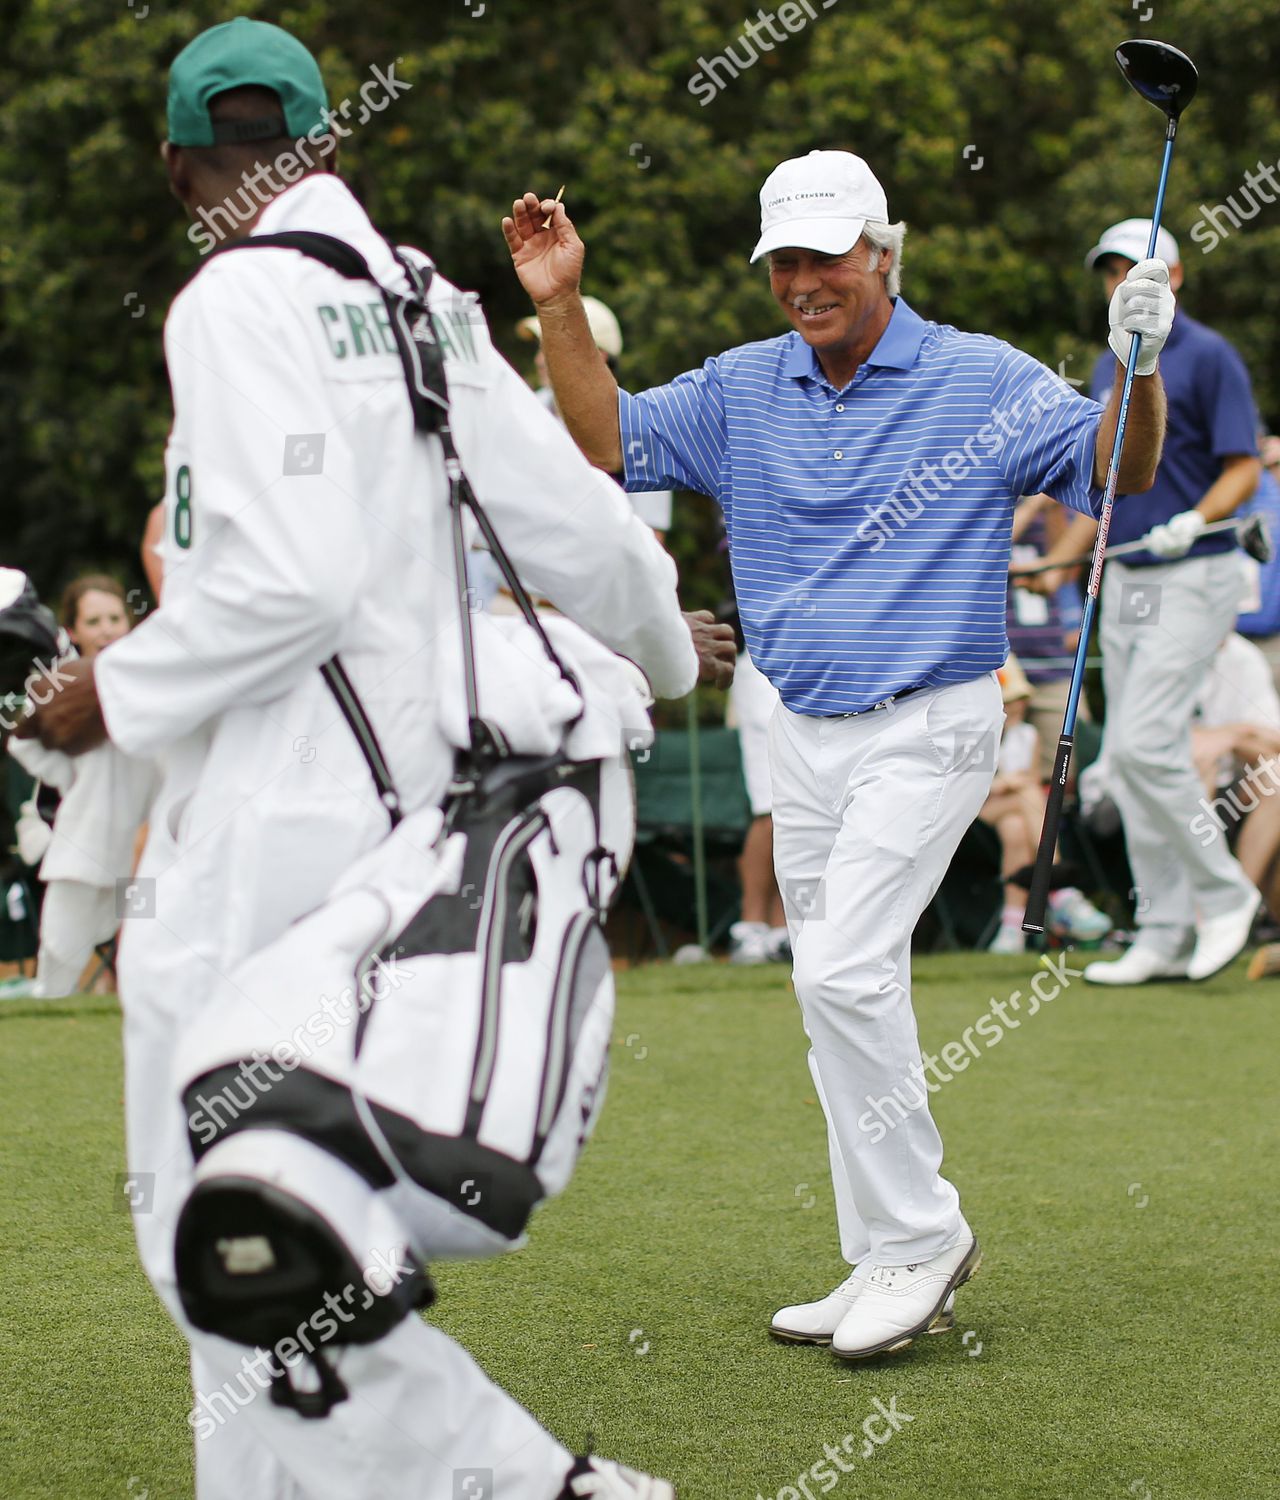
column 1143, row 303
column 1177, row 536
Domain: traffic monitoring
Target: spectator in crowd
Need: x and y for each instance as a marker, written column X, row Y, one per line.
column 760, row 934
column 1259, row 618
column 1015, row 809
column 106, row 796
column 1238, row 691
column 1164, row 613
column 1042, row 620
column 652, row 506
column 1236, row 741
column 94, row 612
column 1258, row 840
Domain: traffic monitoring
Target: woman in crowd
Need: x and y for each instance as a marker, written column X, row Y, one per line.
column 105, row 799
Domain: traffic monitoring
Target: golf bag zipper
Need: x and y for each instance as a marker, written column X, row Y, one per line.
column 508, row 848
column 364, row 1006
column 556, row 1073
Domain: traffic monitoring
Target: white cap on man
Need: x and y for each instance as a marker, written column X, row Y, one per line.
column 605, row 331
column 1130, row 239
column 819, row 202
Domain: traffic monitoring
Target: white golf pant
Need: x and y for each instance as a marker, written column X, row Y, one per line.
column 867, row 813
column 421, row 1419
column 1161, row 629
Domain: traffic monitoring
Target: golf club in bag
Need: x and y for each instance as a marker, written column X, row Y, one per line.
column 410, row 1069
column 1166, row 78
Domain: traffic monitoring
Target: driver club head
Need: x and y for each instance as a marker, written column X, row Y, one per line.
column 1163, row 76
column 1255, row 539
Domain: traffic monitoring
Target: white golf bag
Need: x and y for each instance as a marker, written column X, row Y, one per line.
column 411, row 1068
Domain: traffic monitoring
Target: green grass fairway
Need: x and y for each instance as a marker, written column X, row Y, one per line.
column 1116, row 1154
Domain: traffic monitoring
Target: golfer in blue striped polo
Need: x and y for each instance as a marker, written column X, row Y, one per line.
column 868, row 462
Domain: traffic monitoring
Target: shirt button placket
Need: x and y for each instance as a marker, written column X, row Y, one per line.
column 837, row 453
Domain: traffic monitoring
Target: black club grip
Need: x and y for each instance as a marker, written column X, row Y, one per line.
column 1038, row 893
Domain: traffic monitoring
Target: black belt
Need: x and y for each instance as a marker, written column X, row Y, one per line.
column 884, row 703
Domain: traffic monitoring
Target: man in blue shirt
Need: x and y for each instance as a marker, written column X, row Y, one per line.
column 868, row 463
column 1164, row 613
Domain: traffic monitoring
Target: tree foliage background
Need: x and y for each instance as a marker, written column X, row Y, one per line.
column 512, row 94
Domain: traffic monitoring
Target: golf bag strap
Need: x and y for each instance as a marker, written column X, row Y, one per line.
column 348, row 701
column 423, row 362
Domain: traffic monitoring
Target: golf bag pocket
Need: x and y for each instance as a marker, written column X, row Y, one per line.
column 511, row 1001
column 448, row 1089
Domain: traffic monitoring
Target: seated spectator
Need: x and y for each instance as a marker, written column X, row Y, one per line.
column 1015, row 809
column 1247, row 809
column 1236, row 741
column 105, row 799
column 1238, row 690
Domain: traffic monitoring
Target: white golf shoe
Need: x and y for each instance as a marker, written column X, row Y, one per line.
column 749, row 943
column 1222, row 939
column 816, row 1322
column 1138, row 966
column 601, row 1479
column 899, row 1303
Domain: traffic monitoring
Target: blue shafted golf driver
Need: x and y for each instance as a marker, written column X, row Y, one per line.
column 1166, row 78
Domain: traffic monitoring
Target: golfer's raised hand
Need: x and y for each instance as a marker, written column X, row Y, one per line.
column 547, row 261
column 715, row 645
column 1143, row 303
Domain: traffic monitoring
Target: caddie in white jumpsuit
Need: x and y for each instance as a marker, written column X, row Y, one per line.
column 304, row 518
column 868, row 463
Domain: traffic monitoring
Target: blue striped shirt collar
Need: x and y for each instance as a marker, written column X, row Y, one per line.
column 896, row 348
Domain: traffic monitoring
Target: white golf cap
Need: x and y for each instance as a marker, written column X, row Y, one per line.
column 1131, row 239
column 604, row 327
column 819, row 202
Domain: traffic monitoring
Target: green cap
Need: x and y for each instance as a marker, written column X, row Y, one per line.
column 232, row 56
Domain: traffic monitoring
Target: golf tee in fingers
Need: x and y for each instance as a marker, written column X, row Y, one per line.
column 546, row 223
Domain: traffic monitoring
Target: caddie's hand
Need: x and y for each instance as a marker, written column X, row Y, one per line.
column 64, row 710
column 1143, row 303
column 717, row 650
column 1177, row 536
column 547, row 261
